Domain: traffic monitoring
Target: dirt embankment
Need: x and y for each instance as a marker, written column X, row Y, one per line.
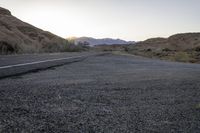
column 180, row 47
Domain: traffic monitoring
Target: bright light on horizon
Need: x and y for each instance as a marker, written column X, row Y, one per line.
column 128, row 19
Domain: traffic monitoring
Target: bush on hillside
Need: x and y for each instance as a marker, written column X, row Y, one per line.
column 6, row 48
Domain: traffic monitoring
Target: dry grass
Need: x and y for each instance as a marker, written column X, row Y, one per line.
column 180, row 47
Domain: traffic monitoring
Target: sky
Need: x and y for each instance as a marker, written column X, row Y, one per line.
column 132, row 20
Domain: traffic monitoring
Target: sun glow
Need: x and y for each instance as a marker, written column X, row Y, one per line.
column 62, row 23
column 129, row 20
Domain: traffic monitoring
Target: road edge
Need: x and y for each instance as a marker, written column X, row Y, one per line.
column 21, row 69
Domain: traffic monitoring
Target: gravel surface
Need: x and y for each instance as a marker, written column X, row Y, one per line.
column 104, row 94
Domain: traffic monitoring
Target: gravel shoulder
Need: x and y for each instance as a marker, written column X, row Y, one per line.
column 109, row 93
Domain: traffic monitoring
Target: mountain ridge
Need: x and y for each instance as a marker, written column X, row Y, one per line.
column 94, row 41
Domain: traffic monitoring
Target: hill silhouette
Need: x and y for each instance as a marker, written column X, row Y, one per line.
column 179, row 47
column 17, row 36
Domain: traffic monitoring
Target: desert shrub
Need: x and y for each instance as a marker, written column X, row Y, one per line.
column 166, row 50
column 158, row 54
column 107, row 50
column 70, row 46
column 126, row 49
column 6, row 48
column 197, row 49
column 148, row 50
column 47, row 47
column 83, row 45
column 182, row 56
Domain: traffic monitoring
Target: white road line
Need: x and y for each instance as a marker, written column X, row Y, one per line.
column 38, row 62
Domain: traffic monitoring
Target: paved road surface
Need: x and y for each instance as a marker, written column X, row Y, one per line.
column 6, row 60
column 20, row 64
column 110, row 94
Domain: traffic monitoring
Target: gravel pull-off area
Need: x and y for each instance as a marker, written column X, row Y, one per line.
column 104, row 94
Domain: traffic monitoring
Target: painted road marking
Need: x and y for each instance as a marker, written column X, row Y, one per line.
column 38, row 62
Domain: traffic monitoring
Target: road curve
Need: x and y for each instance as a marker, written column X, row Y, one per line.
column 104, row 94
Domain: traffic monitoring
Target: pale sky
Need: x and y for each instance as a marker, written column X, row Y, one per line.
column 125, row 19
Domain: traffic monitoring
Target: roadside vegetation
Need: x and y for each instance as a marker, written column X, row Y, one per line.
column 179, row 47
column 110, row 48
column 179, row 56
column 9, row 48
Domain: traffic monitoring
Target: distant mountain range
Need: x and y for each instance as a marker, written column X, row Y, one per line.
column 107, row 41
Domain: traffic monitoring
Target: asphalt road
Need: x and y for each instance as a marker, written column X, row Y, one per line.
column 6, row 60
column 108, row 93
column 20, row 64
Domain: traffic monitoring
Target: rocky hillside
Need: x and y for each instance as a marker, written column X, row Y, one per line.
column 178, row 42
column 17, row 36
column 180, row 47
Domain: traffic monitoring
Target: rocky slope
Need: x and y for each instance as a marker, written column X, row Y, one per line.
column 178, row 42
column 17, row 36
column 180, row 47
